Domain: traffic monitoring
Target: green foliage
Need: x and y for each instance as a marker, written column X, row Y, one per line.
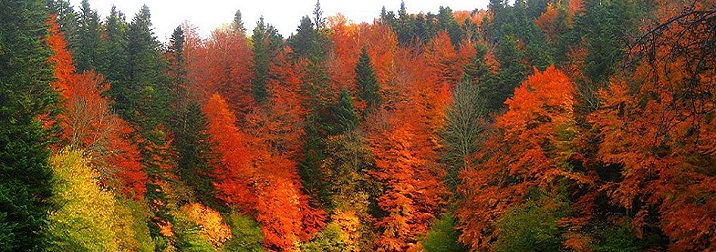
column 131, row 229
column 113, row 53
column 327, row 240
column 247, row 235
column 25, row 94
column 368, row 88
column 512, row 72
column 267, row 43
column 344, row 114
column 85, row 220
column 238, row 23
column 442, row 236
column 604, row 25
column 532, row 226
column 187, row 235
column 194, row 154
column 463, row 127
column 309, row 42
column 87, row 41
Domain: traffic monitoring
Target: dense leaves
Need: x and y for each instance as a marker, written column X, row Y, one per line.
column 533, row 125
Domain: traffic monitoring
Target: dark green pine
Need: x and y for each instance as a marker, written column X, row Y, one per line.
column 267, row 43
column 344, row 112
column 25, row 94
column 367, row 84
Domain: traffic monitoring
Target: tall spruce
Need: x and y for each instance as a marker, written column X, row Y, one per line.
column 25, row 75
column 238, row 23
column 367, row 84
column 267, row 44
column 87, row 40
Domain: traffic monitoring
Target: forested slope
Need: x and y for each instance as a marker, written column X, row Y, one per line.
column 533, row 125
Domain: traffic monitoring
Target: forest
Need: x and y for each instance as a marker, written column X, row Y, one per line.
column 531, row 125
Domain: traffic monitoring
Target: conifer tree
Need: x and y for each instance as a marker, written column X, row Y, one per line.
column 368, row 87
column 238, row 23
column 267, row 43
column 87, row 40
column 26, row 95
column 344, row 113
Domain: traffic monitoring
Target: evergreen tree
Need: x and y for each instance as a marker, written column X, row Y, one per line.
column 344, row 113
column 267, row 44
column 446, row 22
column 87, row 40
column 114, row 60
column 238, row 23
column 25, row 75
column 66, row 17
column 368, row 88
column 177, row 64
column 309, row 42
column 604, row 25
column 193, row 154
column 318, row 18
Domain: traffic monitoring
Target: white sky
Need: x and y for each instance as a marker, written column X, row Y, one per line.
column 208, row 15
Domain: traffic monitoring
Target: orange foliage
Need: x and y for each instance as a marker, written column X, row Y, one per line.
column 232, row 177
column 379, row 40
column 256, row 173
column 443, row 60
column 210, row 221
column 221, row 64
column 405, row 148
column 530, row 150
column 87, row 121
column 662, row 133
column 548, row 22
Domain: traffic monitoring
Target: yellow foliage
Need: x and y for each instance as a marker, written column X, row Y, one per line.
column 350, row 225
column 86, row 219
column 210, row 221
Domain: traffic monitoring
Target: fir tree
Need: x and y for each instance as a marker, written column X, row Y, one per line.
column 86, row 43
column 368, row 87
column 344, row 113
column 25, row 75
column 267, row 43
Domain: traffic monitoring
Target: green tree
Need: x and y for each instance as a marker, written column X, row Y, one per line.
column 367, row 84
column 194, row 157
column 247, row 235
column 238, row 23
column 86, row 42
column 344, row 114
column 26, row 94
column 605, row 27
column 463, row 127
column 533, row 226
column 267, row 43
column 114, row 59
column 442, row 236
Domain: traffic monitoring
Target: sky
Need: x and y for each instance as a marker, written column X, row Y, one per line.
column 208, row 15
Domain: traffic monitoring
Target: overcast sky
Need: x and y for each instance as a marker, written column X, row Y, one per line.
column 284, row 15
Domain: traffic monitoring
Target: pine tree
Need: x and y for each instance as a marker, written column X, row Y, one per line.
column 238, row 23
column 368, row 87
column 267, row 43
column 25, row 178
column 114, row 59
column 194, row 153
column 86, row 43
column 344, row 113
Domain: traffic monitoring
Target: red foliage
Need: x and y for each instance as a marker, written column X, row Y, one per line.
column 234, row 173
column 662, row 134
column 87, row 121
column 530, row 150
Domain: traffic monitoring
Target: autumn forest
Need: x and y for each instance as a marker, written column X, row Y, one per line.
column 531, row 125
